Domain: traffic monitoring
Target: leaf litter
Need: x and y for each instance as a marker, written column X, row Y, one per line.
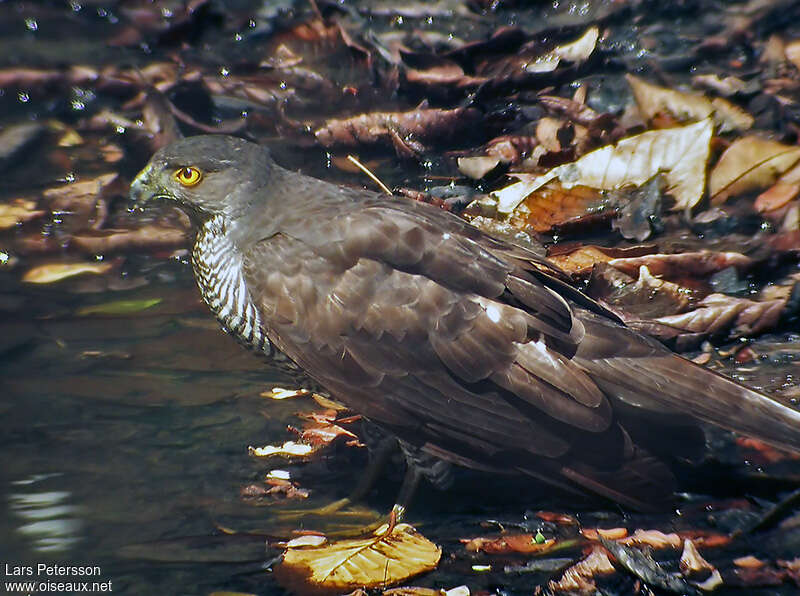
column 494, row 96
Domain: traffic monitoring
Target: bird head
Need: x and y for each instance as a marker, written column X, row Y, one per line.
column 206, row 175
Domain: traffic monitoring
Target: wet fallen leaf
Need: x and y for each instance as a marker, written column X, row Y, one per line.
column 748, row 561
column 510, row 543
column 680, row 154
column 18, row 211
column 750, row 163
column 691, row 561
column 776, row 196
column 46, row 274
column 146, row 237
column 282, row 393
column 576, row 51
column 718, row 313
column 580, row 577
column 118, row 307
column 553, row 206
column 307, row 540
column 609, row 533
column 289, row 448
column 374, row 561
column 654, row 538
column 424, row 124
column 703, row 574
column 477, row 167
column 688, row 264
column 581, row 260
column 645, row 568
column 84, row 199
column 15, row 138
column 653, row 100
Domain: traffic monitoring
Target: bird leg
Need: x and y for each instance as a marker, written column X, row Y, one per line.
column 380, row 456
column 404, row 498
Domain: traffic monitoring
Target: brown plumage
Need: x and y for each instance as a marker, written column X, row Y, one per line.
column 471, row 348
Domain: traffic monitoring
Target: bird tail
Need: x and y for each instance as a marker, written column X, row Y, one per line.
column 642, row 373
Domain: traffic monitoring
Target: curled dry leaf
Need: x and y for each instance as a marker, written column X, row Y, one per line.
column 691, row 561
column 18, row 211
column 510, row 543
column 693, row 565
column 579, row 577
column 370, row 562
column 653, row 538
column 688, row 264
column 46, row 274
column 719, row 313
column 424, row 124
column 84, row 199
column 477, row 167
column 608, row 533
column 679, row 153
column 750, row 163
column 147, row 237
column 653, row 100
column 576, row 51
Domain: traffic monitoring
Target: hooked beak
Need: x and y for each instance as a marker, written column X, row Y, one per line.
column 140, row 192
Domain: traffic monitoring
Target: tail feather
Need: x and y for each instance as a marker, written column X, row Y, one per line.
column 640, row 372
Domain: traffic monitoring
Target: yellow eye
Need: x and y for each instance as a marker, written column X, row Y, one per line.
column 188, row 176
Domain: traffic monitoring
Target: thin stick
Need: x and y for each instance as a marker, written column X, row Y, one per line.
column 372, row 176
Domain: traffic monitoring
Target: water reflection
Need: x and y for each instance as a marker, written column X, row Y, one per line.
column 48, row 519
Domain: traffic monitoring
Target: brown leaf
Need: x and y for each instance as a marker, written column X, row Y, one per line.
column 750, row 163
column 580, row 577
column 553, row 206
column 607, row 533
column 653, row 538
column 18, row 211
column 748, row 561
column 718, row 313
column 688, row 264
column 147, row 237
column 581, row 260
column 509, row 543
column 776, row 196
column 84, row 199
column 46, row 274
column 374, row 561
column 653, row 100
column 374, row 127
column 680, row 154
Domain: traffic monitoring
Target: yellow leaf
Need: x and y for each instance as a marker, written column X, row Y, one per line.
column 46, row 274
column 679, row 153
column 652, row 100
column 16, row 212
column 375, row 561
column 750, row 163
